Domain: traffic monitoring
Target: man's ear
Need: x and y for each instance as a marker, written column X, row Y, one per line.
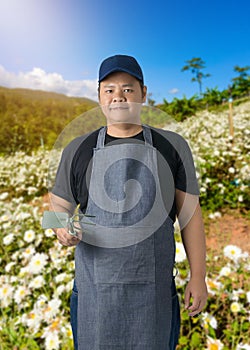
column 144, row 94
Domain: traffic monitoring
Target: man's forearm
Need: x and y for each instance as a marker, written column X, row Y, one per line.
column 193, row 238
column 192, row 231
column 59, row 204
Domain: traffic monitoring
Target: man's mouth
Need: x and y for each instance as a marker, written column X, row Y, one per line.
column 118, row 108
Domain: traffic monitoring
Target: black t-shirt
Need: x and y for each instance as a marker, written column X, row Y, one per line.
column 74, row 170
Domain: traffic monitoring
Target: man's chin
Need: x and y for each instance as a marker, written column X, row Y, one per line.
column 121, row 122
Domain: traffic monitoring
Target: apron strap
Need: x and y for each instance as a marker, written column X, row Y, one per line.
column 101, row 137
column 146, row 134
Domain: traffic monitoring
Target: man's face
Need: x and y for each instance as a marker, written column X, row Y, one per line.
column 121, row 98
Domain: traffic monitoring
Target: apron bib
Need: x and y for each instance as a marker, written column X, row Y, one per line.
column 124, row 266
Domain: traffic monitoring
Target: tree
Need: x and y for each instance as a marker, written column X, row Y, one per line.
column 241, row 83
column 180, row 109
column 151, row 102
column 212, row 97
column 195, row 65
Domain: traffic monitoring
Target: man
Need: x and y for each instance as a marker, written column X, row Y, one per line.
column 134, row 180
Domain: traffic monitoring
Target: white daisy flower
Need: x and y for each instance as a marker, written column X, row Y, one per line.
column 37, row 263
column 248, row 296
column 180, row 252
column 209, row 320
column 5, row 218
column 22, row 216
column 214, row 344
column 61, row 277
column 231, row 170
column 41, row 302
column 6, row 225
column 235, row 307
column 37, row 282
column 49, row 232
column 20, row 294
column 67, row 331
column 242, row 346
column 52, row 308
column 69, row 286
column 54, row 326
column 31, row 190
column 59, row 290
column 34, row 319
column 179, row 281
column 28, row 252
column 177, row 226
column 52, row 341
column 9, row 266
column 225, row 271
column 6, row 292
column 236, row 293
column 8, row 239
column 240, row 198
column 15, row 255
column 29, row 236
column 213, row 286
column 23, row 271
column 3, row 196
column 232, row 252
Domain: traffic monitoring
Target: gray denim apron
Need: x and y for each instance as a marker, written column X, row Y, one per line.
column 125, row 290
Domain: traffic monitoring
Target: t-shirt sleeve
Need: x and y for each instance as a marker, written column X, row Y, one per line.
column 62, row 184
column 177, row 153
column 186, row 179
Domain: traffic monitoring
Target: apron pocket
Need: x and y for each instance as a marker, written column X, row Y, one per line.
column 130, row 265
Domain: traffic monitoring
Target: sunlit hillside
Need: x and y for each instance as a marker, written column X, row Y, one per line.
column 31, row 118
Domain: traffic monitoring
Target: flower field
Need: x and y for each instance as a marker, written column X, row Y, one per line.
column 222, row 161
column 36, row 272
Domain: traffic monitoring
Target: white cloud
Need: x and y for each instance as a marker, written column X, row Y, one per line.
column 38, row 79
column 173, row 91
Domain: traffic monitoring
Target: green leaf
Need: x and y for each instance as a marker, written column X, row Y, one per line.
column 195, row 339
column 183, row 340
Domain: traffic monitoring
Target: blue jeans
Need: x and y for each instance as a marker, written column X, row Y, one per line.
column 176, row 320
column 73, row 313
column 175, row 316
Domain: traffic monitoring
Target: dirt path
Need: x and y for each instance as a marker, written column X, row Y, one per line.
column 230, row 228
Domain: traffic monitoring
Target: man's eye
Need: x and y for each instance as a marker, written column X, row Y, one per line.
column 108, row 91
column 128, row 90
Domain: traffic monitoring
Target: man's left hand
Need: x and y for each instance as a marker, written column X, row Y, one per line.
column 196, row 292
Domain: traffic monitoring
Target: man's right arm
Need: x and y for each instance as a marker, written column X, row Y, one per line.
column 58, row 204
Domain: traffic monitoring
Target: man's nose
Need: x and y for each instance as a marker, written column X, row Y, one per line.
column 119, row 97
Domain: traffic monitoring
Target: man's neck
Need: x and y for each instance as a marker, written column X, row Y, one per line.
column 123, row 130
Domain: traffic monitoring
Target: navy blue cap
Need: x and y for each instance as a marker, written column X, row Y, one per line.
column 120, row 63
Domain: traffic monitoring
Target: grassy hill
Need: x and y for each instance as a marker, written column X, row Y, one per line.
column 30, row 118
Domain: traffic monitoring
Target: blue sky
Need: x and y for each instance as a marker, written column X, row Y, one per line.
column 58, row 44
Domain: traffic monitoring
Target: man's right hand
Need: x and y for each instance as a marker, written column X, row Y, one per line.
column 65, row 238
